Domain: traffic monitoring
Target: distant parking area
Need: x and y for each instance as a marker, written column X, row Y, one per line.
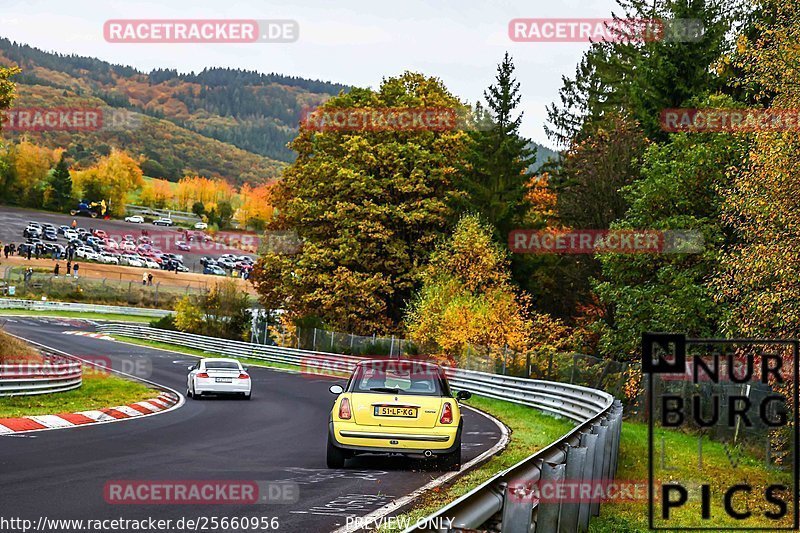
column 143, row 241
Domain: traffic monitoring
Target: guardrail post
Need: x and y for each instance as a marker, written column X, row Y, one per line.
column 568, row 519
column 549, row 508
column 517, row 507
column 617, row 409
column 588, row 440
column 602, row 438
column 607, row 449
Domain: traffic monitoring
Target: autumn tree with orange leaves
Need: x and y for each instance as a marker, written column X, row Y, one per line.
column 29, row 167
column 256, row 206
column 211, row 192
column 112, row 179
column 760, row 278
column 157, row 193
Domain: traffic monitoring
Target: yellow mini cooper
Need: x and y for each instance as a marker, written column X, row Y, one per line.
column 396, row 407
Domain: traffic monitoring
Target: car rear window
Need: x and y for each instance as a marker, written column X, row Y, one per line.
column 398, row 377
column 226, row 365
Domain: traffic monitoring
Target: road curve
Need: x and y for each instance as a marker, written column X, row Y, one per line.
column 279, row 435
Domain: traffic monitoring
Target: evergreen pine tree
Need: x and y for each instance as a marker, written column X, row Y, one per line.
column 497, row 172
column 61, row 184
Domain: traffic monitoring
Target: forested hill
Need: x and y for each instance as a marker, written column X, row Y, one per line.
column 221, row 122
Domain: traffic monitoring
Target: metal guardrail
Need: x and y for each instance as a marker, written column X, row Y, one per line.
column 58, row 373
column 584, row 457
column 185, row 216
column 36, row 305
column 586, row 454
column 312, row 362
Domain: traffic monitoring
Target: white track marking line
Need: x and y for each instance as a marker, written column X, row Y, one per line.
column 98, row 416
column 159, row 402
column 51, row 421
column 127, row 410
column 150, row 406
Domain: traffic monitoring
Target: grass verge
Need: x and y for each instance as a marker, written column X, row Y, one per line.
column 99, row 390
column 531, row 430
column 76, row 314
column 681, row 456
column 16, row 351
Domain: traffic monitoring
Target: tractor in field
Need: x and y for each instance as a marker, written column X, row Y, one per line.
column 90, row 209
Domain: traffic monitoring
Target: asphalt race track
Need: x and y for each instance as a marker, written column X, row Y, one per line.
column 279, row 435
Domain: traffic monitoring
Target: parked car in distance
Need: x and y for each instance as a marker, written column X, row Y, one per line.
column 175, row 257
column 50, row 235
column 51, row 248
column 107, row 258
column 63, row 229
column 182, row 245
column 100, row 234
column 131, row 260
column 214, row 270
column 70, row 234
column 200, row 225
column 85, row 252
column 23, row 248
column 32, row 232
column 150, row 263
column 136, row 219
column 226, row 262
column 206, row 260
column 172, row 264
column 163, row 222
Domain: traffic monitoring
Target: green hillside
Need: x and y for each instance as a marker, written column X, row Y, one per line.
column 221, row 122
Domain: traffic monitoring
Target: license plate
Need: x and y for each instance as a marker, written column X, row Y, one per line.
column 406, row 412
column 224, row 380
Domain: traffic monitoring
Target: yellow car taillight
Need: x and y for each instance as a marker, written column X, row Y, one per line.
column 344, row 409
column 447, row 414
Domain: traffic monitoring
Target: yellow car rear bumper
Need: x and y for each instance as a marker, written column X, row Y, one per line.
column 354, row 437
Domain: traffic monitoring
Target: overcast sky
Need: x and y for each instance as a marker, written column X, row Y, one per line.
column 351, row 42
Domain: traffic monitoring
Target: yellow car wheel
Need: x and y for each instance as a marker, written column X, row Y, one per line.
column 452, row 460
column 336, row 456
